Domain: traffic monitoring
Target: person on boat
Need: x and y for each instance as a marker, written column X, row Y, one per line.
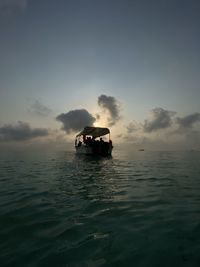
column 93, row 140
column 88, row 141
column 101, row 145
column 79, row 143
column 110, row 143
column 101, row 140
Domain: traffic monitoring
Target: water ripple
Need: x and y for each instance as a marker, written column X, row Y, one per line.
column 57, row 209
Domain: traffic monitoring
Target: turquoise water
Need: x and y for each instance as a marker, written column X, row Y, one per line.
column 132, row 209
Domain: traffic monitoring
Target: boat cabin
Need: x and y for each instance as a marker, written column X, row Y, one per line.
column 94, row 141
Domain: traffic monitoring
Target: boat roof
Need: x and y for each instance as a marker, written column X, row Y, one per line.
column 94, row 131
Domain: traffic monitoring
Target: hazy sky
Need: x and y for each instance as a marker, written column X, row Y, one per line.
column 132, row 65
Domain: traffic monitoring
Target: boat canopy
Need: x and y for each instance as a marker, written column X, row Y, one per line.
column 94, row 131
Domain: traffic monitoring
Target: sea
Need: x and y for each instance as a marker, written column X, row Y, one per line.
column 136, row 208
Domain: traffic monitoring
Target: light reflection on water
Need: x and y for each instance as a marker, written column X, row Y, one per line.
column 61, row 209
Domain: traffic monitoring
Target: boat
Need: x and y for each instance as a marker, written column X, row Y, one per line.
column 90, row 142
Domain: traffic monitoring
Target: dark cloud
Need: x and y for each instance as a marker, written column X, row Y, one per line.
column 161, row 119
column 188, row 121
column 21, row 131
column 75, row 120
column 39, row 109
column 98, row 117
column 110, row 104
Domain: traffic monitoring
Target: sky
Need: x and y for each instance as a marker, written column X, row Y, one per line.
column 130, row 65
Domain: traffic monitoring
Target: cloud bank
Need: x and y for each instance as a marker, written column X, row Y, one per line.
column 161, row 119
column 188, row 121
column 164, row 130
column 20, row 132
column 111, row 105
column 75, row 120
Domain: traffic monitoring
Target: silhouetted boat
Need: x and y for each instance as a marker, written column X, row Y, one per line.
column 89, row 141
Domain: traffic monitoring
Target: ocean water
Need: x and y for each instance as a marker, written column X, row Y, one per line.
column 138, row 208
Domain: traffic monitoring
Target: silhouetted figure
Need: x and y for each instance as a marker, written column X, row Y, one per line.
column 79, row 143
column 110, row 143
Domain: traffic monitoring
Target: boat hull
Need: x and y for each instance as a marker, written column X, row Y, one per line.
column 88, row 150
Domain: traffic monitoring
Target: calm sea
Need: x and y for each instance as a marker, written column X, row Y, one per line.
column 137, row 208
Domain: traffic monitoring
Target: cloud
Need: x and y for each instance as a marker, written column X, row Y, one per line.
column 98, row 116
column 110, row 104
column 39, row 109
column 75, row 120
column 20, row 132
column 161, row 119
column 133, row 127
column 188, row 121
column 186, row 137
